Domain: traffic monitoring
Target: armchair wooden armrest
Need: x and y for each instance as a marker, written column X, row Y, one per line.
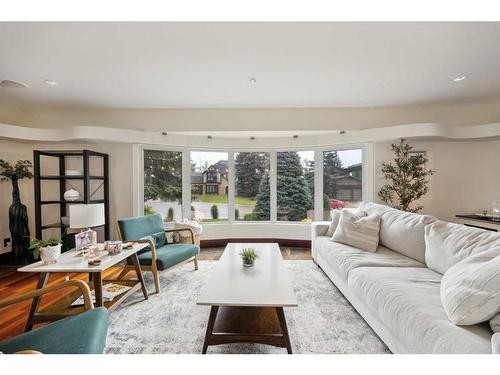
column 87, row 297
column 182, row 230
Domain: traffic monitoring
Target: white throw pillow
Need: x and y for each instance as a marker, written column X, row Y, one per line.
column 447, row 244
column 495, row 323
column 470, row 290
column 335, row 214
column 358, row 230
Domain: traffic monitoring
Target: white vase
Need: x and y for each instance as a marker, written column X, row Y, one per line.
column 71, row 195
column 50, row 254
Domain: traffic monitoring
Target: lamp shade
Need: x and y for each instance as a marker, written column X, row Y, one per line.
column 86, row 215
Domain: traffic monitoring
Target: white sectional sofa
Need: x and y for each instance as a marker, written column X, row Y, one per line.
column 394, row 289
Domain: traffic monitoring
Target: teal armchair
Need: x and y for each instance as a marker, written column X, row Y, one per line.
column 159, row 255
column 83, row 333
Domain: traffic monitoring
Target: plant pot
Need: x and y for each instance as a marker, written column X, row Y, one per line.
column 248, row 262
column 50, row 254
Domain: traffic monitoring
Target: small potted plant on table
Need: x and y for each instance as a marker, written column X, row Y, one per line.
column 48, row 250
column 248, row 255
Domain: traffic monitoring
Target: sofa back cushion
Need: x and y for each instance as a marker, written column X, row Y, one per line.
column 449, row 243
column 400, row 231
column 143, row 227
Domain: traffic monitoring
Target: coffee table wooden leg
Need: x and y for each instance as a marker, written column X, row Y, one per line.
column 42, row 282
column 210, row 327
column 97, row 279
column 284, row 329
column 140, row 277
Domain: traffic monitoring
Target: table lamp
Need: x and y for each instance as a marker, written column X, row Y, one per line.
column 84, row 217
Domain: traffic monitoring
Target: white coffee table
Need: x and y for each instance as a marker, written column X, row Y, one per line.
column 72, row 262
column 247, row 302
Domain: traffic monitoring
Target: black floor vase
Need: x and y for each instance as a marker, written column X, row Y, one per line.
column 18, row 225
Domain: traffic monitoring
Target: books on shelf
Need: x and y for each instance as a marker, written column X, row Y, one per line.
column 109, row 292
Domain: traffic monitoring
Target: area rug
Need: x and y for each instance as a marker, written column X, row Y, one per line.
column 171, row 322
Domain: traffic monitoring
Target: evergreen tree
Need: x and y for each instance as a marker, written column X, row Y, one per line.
column 309, row 175
column 163, row 175
column 331, row 166
column 250, row 167
column 262, row 209
column 293, row 194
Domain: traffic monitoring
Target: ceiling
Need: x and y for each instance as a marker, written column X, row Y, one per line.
column 170, row 65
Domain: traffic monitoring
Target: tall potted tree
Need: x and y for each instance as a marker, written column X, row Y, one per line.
column 18, row 214
column 407, row 176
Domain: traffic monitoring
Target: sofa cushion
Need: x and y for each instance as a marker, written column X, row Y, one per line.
column 344, row 258
column 449, row 243
column 358, row 230
column 495, row 323
column 400, row 231
column 407, row 301
column 169, row 255
column 470, row 290
column 84, row 333
column 141, row 227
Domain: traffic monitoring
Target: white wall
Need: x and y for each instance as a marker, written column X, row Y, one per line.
column 467, row 175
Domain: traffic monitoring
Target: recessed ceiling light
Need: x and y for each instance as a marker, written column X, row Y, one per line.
column 459, row 78
column 252, row 80
column 12, row 85
column 50, row 82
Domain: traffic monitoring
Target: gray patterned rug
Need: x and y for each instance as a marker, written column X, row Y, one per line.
column 171, row 322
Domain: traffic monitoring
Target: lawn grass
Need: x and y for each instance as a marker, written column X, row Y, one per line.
column 223, row 199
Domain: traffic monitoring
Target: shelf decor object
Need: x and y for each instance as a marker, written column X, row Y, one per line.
column 18, row 214
column 65, row 180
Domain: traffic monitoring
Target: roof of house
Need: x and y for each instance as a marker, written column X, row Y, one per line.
column 221, row 166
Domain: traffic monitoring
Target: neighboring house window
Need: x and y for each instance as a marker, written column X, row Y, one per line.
column 342, row 179
column 163, row 183
column 211, row 177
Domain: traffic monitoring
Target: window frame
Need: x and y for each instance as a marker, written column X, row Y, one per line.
column 368, row 161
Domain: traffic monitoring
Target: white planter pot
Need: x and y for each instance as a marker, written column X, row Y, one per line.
column 50, row 254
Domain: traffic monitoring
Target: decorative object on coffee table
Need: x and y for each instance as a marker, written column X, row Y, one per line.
column 48, row 250
column 18, row 214
column 408, row 177
column 248, row 255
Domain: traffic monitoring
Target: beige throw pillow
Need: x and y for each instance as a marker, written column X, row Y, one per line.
column 470, row 290
column 358, row 230
column 335, row 214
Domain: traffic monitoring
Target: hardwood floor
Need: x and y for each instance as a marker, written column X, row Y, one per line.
column 13, row 283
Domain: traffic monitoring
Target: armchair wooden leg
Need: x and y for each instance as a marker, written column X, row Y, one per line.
column 196, row 265
column 156, row 278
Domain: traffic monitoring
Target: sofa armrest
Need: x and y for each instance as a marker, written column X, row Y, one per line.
column 495, row 343
column 318, row 228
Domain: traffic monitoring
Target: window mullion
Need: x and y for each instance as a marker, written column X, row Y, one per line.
column 186, row 184
column 273, row 181
column 318, row 185
column 231, row 187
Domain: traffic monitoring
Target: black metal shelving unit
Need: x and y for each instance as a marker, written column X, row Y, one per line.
column 86, row 195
